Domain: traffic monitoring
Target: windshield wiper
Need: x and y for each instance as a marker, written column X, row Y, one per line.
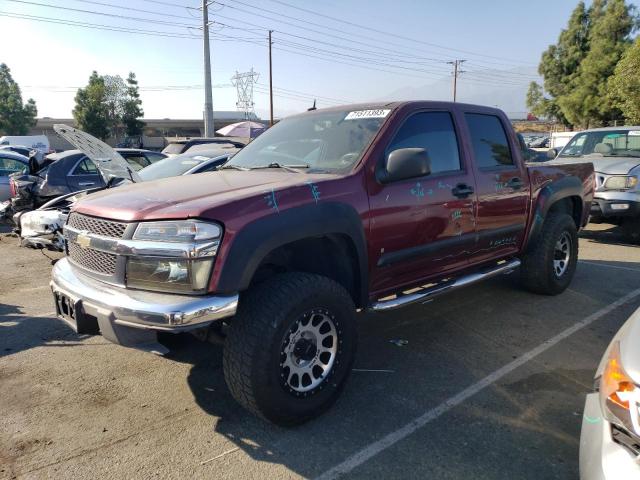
column 289, row 168
column 234, row 167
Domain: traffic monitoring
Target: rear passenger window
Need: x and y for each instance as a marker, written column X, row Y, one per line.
column 434, row 132
column 489, row 140
column 85, row 167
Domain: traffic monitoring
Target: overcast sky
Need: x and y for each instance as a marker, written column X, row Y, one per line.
column 382, row 46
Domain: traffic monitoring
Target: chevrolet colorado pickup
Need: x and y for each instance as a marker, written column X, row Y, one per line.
column 330, row 212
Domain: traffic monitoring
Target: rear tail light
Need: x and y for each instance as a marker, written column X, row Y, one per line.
column 13, row 189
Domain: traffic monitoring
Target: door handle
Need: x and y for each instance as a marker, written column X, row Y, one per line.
column 86, row 184
column 462, row 190
column 515, row 183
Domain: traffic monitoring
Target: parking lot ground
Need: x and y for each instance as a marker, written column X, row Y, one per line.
column 465, row 398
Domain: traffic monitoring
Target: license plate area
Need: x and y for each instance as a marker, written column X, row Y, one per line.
column 71, row 312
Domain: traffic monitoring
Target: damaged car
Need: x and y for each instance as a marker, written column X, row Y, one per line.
column 41, row 201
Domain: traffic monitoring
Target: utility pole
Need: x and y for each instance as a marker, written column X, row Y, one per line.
column 456, row 72
column 270, row 82
column 209, row 130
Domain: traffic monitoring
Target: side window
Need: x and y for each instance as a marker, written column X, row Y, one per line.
column 434, row 132
column 489, row 140
column 85, row 167
column 9, row 166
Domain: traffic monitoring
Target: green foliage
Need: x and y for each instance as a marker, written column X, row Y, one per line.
column 577, row 69
column 625, row 84
column 90, row 112
column 107, row 103
column 132, row 108
column 15, row 117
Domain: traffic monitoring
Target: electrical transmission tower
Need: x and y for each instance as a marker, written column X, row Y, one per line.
column 244, row 83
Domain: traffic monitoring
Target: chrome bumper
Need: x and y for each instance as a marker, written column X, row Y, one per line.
column 115, row 308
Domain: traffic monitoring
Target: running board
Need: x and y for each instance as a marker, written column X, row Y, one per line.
column 427, row 293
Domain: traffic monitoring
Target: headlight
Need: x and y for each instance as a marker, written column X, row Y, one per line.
column 185, row 271
column 621, row 183
column 619, row 395
column 169, row 274
column 177, row 231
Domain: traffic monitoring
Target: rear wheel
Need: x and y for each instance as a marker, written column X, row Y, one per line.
column 290, row 347
column 549, row 267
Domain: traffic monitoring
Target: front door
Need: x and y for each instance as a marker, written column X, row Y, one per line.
column 423, row 226
column 502, row 186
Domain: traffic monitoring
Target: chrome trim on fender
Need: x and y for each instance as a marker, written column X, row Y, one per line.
column 140, row 309
column 141, row 248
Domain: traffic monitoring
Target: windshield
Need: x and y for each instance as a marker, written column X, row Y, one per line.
column 173, row 148
column 608, row 143
column 323, row 141
column 173, row 166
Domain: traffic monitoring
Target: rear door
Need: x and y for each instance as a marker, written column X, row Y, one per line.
column 84, row 175
column 423, row 226
column 502, row 186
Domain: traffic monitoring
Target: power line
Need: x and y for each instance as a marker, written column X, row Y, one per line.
column 395, row 35
column 364, row 62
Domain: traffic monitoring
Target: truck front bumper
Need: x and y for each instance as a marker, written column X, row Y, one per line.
column 130, row 317
column 607, row 204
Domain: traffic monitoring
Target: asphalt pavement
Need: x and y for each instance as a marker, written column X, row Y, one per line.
column 485, row 383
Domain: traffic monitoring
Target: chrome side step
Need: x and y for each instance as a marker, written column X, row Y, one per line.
column 423, row 294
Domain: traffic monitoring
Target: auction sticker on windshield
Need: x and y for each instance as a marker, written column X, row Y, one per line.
column 380, row 113
column 634, row 133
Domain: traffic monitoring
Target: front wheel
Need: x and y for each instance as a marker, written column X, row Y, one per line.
column 290, row 347
column 549, row 267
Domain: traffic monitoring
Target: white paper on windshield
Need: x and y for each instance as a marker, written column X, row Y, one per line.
column 359, row 114
column 634, row 133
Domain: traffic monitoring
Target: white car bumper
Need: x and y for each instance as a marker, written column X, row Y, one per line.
column 600, row 457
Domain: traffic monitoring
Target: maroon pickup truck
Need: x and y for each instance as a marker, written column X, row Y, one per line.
column 356, row 208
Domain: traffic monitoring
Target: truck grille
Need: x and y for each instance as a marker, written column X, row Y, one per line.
column 93, row 260
column 97, row 226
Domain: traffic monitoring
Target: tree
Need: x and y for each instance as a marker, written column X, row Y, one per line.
column 625, row 84
column 132, row 108
column 559, row 64
column 15, row 117
column 577, row 69
column 588, row 102
column 90, row 112
column 107, row 103
column 115, row 91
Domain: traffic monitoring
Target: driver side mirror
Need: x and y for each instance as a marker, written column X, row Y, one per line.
column 552, row 153
column 405, row 163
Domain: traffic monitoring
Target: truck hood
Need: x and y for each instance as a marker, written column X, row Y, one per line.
column 191, row 195
column 613, row 166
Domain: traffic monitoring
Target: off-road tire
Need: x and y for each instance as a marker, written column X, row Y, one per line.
column 252, row 357
column 537, row 270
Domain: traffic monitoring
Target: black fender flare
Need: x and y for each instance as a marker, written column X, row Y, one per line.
column 551, row 193
column 257, row 239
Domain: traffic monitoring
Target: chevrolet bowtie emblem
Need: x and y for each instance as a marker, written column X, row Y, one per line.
column 83, row 240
